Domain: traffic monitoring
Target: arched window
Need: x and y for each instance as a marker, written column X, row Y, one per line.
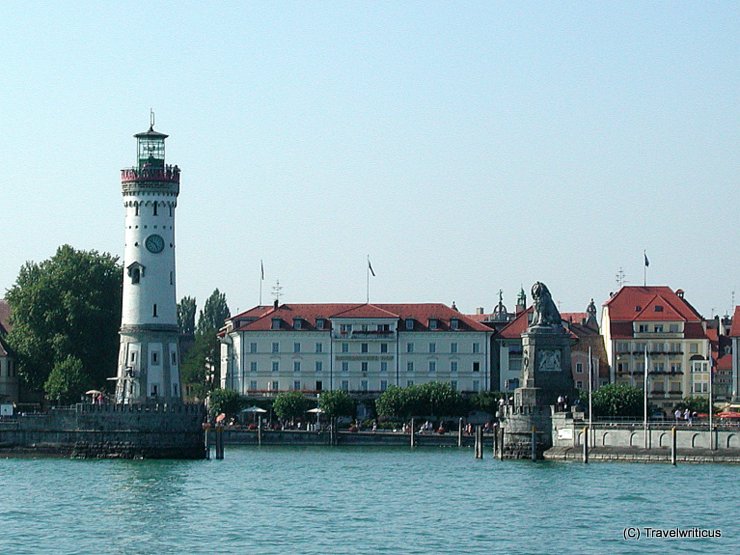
column 155, row 208
column 135, row 275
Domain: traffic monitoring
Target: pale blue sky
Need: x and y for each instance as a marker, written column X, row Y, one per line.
column 466, row 146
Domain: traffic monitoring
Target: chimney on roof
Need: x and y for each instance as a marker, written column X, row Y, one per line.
column 480, row 311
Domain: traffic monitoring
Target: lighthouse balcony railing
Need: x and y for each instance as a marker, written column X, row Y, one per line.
column 169, row 174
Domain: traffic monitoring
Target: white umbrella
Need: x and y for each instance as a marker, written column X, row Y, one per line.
column 254, row 409
column 317, row 410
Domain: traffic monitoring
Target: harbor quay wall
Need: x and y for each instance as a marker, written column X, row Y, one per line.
column 109, row 431
column 569, row 432
column 240, row 436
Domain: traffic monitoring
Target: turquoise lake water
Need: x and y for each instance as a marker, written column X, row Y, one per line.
column 361, row 500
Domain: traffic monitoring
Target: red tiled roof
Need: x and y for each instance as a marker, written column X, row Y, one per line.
column 724, row 363
column 735, row 329
column 309, row 313
column 633, row 303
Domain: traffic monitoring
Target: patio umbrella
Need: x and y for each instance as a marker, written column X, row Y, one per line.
column 93, row 392
column 317, row 411
column 254, row 409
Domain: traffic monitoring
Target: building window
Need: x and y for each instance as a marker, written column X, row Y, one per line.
column 455, row 324
column 275, row 366
column 363, row 385
column 154, row 206
column 453, row 385
column 296, row 347
column 409, row 324
column 579, row 368
column 275, row 347
column 476, row 385
column 319, row 385
column 345, row 366
column 432, row 347
column 275, row 385
column 383, row 385
column 384, row 347
column 253, row 385
column 476, row 347
column 297, row 324
column 135, row 275
column 319, row 347
column 579, row 384
column 154, row 311
column 658, row 328
column 345, row 347
column 432, row 366
column 364, row 347
column 320, row 323
column 296, row 366
column 345, row 385
column 155, row 357
column 409, row 366
column 476, row 367
column 409, row 383
column 673, row 328
column 174, row 359
column 136, row 209
column 453, row 366
column 642, row 328
column 253, row 347
column 675, row 367
column 453, row 348
column 297, row 385
column 133, row 356
column 155, row 389
column 693, row 347
column 364, row 367
column 432, row 323
column 383, row 366
column 409, row 347
column 345, row 328
column 253, row 366
column 319, row 366
column 384, row 327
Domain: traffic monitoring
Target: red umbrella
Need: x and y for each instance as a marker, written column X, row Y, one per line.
column 728, row 414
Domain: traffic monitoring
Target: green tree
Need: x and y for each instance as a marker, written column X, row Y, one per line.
column 194, row 371
column 224, row 401
column 68, row 305
column 392, row 403
column 186, row 316
column 290, row 405
column 66, row 381
column 215, row 312
column 336, row 403
column 441, row 399
column 618, row 400
column 486, row 401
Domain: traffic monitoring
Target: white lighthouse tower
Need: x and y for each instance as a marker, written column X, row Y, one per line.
column 149, row 358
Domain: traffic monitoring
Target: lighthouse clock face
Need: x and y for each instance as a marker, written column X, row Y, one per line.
column 154, row 243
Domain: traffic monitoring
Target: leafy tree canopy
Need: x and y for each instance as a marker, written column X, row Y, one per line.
column 186, row 316
column 434, row 398
column 618, row 400
column 66, row 381
column 225, row 401
column 694, row 404
column 215, row 311
column 67, row 306
column 336, row 403
column 290, row 405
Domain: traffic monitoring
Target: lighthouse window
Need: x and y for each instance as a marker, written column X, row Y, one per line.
column 136, row 209
column 135, row 276
column 170, row 211
column 155, row 208
column 154, row 311
column 172, row 279
column 155, row 357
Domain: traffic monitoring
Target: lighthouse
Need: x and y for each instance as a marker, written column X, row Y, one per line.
column 149, row 357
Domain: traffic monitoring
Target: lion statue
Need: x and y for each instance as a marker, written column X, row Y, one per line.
column 545, row 311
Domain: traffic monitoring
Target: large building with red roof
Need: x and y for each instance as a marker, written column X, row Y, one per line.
column 735, row 356
column 358, row 348
column 657, row 325
column 8, row 376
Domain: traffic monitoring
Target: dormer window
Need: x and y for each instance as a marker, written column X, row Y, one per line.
column 135, row 271
column 297, row 323
column 658, row 308
column 638, row 308
column 320, row 323
column 455, row 324
column 433, row 323
column 409, row 323
column 275, row 324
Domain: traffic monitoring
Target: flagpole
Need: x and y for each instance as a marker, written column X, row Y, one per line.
column 367, row 271
column 262, row 278
column 645, row 400
column 644, row 268
column 711, row 408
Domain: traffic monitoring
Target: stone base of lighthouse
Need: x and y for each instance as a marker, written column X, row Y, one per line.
column 149, row 365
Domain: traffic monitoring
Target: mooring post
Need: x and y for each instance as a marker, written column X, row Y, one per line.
column 219, row 442
column 413, row 434
column 501, row 446
column 495, row 440
column 673, row 446
column 459, row 432
column 534, row 443
column 206, row 427
column 478, row 442
column 585, row 445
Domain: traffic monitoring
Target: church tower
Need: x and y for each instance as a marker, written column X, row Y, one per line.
column 149, row 358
